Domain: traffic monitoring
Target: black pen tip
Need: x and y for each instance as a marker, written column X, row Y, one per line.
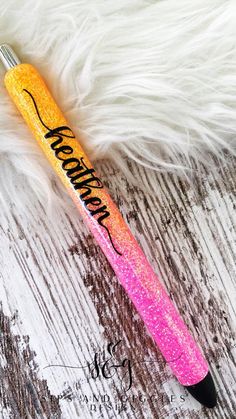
column 204, row 391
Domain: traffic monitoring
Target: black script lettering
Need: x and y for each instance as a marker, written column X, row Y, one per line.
column 94, row 367
column 88, row 185
column 64, row 149
column 81, row 177
column 93, row 201
column 69, row 162
column 58, row 132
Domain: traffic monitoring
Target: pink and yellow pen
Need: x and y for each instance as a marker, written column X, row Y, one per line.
column 34, row 101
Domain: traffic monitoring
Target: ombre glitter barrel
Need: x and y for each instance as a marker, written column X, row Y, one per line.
column 47, row 123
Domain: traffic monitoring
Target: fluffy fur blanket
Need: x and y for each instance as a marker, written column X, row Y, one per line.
column 149, row 80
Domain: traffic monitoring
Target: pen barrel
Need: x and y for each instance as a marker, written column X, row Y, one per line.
column 47, row 123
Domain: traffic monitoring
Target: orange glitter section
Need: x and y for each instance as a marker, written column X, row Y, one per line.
column 66, row 156
column 40, row 110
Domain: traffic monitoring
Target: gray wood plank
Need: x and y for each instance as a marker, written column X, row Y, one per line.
column 61, row 301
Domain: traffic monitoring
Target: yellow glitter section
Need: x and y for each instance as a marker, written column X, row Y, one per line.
column 66, row 156
column 25, row 76
column 40, row 110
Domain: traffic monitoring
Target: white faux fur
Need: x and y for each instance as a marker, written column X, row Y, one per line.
column 154, row 81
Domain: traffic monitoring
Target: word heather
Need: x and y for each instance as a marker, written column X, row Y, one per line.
column 81, row 177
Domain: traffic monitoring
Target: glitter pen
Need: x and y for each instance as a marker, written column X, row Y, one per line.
column 34, row 101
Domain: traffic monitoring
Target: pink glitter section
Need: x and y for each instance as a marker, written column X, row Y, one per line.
column 148, row 295
column 65, row 154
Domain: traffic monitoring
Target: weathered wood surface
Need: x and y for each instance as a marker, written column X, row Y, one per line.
column 61, row 302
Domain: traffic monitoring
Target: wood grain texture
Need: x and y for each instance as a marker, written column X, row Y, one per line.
column 61, row 302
